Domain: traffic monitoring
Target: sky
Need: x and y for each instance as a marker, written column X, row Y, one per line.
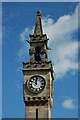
column 0, row 59
column 60, row 23
column 40, row 0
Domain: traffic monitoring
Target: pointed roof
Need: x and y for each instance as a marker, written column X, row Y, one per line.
column 38, row 36
column 38, row 26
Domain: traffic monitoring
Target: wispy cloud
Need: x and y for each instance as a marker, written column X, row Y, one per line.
column 25, row 34
column 23, row 52
column 6, row 31
column 64, row 47
column 19, row 86
column 69, row 104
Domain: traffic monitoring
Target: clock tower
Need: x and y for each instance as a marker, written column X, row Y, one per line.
column 38, row 76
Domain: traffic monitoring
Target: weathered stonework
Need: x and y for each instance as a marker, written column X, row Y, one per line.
column 38, row 66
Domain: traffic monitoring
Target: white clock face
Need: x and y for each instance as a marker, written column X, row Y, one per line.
column 36, row 84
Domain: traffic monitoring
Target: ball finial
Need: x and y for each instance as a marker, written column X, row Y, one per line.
column 39, row 12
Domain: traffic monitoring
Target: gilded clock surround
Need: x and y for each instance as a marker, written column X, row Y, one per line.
column 38, row 105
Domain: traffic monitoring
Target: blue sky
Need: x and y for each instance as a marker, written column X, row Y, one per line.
column 60, row 23
column 0, row 60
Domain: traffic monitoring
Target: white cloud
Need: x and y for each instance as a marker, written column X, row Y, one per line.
column 69, row 104
column 64, row 48
column 24, row 51
column 25, row 34
column 65, row 58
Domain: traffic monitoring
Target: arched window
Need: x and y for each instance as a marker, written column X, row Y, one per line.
column 38, row 54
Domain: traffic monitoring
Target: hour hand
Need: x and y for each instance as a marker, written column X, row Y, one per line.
column 36, row 81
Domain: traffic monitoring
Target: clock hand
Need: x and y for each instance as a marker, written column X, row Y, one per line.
column 36, row 81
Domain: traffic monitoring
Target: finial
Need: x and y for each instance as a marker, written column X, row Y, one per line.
column 39, row 13
column 38, row 25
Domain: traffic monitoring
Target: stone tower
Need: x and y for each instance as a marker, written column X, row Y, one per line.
column 38, row 76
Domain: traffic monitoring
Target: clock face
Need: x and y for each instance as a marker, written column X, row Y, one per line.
column 36, row 84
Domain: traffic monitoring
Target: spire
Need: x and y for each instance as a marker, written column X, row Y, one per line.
column 38, row 26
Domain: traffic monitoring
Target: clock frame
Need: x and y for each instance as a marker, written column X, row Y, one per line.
column 36, row 84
